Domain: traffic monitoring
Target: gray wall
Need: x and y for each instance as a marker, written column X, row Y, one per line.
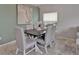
column 7, row 22
column 35, row 14
column 68, row 15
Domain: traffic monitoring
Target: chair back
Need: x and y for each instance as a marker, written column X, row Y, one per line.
column 49, row 34
column 20, row 38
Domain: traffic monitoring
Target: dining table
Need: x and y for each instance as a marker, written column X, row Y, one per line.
column 36, row 33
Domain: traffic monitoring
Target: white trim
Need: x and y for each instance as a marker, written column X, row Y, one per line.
column 8, row 43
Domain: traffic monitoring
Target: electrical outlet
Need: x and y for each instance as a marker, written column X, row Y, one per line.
column 0, row 38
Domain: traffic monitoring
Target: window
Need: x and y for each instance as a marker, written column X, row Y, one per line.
column 50, row 18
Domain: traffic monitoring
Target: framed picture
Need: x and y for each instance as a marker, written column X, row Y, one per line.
column 24, row 14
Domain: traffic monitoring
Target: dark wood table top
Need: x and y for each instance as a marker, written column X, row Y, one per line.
column 34, row 32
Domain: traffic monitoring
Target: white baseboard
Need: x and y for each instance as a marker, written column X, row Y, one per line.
column 8, row 43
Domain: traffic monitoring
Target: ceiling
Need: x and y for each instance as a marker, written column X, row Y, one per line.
column 42, row 5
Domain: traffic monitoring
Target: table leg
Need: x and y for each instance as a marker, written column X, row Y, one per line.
column 37, row 49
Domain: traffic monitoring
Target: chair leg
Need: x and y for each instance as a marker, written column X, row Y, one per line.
column 17, row 50
column 24, row 52
column 37, row 49
column 50, row 44
column 29, row 36
column 30, row 51
column 46, row 49
column 32, row 37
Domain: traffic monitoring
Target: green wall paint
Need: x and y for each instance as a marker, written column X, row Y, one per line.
column 35, row 14
column 7, row 23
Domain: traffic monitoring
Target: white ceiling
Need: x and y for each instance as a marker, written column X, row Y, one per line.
column 42, row 5
column 37, row 5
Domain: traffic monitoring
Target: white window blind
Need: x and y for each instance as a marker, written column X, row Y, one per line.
column 49, row 18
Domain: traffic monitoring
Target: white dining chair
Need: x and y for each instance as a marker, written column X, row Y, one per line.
column 23, row 42
column 48, row 38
